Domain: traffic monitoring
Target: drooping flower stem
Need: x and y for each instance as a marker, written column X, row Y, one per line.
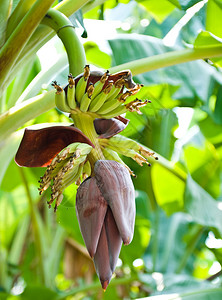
column 66, row 32
column 84, row 122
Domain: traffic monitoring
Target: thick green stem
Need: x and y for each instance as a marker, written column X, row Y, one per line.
column 168, row 59
column 65, row 31
column 85, row 123
column 18, row 115
column 20, row 36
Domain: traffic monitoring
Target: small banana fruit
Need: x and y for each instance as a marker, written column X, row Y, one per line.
column 99, row 100
column 60, row 98
column 82, row 83
column 99, row 84
column 71, row 92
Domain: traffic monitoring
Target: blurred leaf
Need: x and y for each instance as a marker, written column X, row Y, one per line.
column 205, row 39
column 214, row 17
column 161, row 138
column 22, row 80
column 19, row 241
column 189, row 77
column 201, row 206
column 66, row 214
column 3, row 296
column 168, row 189
column 159, row 10
column 8, row 149
column 77, row 17
column 185, row 4
column 139, row 243
column 58, row 71
column 201, row 156
column 11, row 213
column 217, row 114
column 35, row 292
column 208, row 294
column 167, row 245
column 97, row 57
column 211, row 130
column 142, row 205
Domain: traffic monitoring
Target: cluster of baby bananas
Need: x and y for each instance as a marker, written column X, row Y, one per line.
column 101, row 94
column 122, row 145
column 70, row 165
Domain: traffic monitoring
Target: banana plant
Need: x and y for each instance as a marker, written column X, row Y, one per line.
column 88, row 151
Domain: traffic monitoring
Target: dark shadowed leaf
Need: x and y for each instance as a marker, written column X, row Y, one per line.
column 201, row 206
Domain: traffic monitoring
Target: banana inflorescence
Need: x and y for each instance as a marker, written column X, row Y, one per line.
column 102, row 94
column 87, row 153
column 65, row 169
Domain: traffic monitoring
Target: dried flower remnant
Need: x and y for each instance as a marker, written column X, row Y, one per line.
column 86, row 153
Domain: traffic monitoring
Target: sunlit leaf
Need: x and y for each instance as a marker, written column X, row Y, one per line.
column 214, row 17
column 205, row 39
column 159, row 10
column 34, row 292
column 95, row 56
column 168, row 189
column 211, row 130
column 203, row 163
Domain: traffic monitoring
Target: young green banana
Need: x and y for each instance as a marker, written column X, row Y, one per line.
column 98, row 101
column 116, row 89
column 71, row 92
column 82, row 83
column 116, row 112
column 60, row 98
column 109, row 106
column 86, row 99
column 99, row 84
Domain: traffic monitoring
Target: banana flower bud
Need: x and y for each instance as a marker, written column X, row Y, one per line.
column 105, row 206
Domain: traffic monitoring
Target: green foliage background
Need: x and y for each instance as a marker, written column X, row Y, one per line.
column 178, row 235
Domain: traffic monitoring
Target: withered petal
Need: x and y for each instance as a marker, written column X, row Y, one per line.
column 106, row 128
column 39, row 147
column 91, row 209
column 114, row 182
column 101, row 260
column 129, row 83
